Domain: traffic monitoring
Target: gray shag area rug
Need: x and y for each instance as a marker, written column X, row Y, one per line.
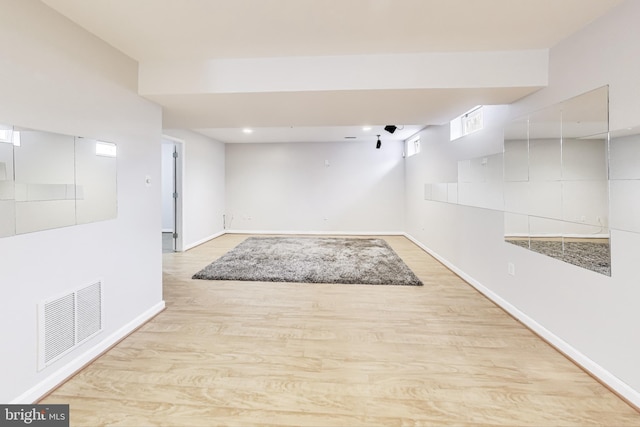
column 312, row 260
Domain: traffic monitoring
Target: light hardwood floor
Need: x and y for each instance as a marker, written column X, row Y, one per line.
column 246, row 353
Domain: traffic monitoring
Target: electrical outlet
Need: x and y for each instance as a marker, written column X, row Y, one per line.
column 511, row 269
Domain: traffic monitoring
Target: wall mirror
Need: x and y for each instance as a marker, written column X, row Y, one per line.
column 556, row 187
column 50, row 180
column 96, row 183
column 480, row 182
column 7, row 187
column 624, row 179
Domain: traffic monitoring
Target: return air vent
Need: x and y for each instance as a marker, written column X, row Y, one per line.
column 67, row 321
column 59, row 327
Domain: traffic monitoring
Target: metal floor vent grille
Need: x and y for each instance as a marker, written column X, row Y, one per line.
column 67, row 321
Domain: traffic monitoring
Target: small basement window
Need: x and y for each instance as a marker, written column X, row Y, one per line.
column 469, row 122
column 413, row 145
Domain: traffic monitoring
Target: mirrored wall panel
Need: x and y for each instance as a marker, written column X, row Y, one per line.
column 7, row 186
column 480, row 184
column 50, row 180
column 556, row 194
column 624, row 175
column 44, row 181
column 96, row 196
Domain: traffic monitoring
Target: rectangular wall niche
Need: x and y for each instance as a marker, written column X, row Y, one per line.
column 66, row 321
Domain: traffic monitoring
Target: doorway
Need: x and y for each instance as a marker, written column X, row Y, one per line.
column 172, row 150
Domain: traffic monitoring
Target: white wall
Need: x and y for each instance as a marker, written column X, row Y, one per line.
column 203, row 188
column 55, row 76
column 593, row 317
column 315, row 187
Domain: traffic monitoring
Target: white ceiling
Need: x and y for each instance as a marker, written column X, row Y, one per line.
column 157, row 32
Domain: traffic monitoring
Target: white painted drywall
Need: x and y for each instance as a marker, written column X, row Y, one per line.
column 315, row 187
column 203, row 188
column 55, row 76
column 591, row 315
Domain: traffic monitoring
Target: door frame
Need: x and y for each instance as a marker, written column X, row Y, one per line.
column 179, row 188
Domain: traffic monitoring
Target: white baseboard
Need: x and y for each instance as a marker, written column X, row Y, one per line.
column 328, row 233
column 205, row 240
column 61, row 375
column 625, row 391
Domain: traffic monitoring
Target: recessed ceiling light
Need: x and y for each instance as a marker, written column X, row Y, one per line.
column 247, row 130
column 366, row 128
